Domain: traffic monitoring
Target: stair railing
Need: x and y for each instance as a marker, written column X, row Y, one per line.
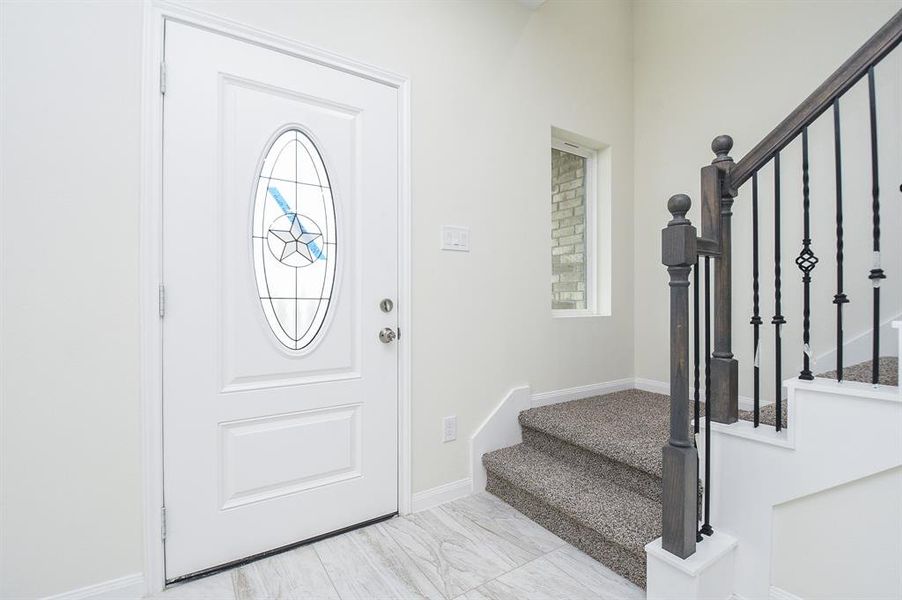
column 681, row 249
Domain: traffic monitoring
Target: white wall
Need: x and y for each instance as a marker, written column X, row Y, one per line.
column 858, row 556
column 70, row 456
column 706, row 68
column 758, row 469
column 489, row 80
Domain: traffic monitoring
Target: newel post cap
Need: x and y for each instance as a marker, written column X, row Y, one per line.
column 721, row 147
column 678, row 239
column 679, row 205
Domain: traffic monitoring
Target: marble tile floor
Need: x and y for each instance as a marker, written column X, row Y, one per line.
column 475, row 548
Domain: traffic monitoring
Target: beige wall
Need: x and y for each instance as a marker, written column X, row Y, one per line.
column 488, row 83
column 706, row 68
column 858, row 556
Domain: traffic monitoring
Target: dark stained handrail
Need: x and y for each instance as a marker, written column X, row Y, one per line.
column 872, row 52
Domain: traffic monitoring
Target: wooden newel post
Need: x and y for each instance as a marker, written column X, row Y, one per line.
column 724, row 368
column 679, row 253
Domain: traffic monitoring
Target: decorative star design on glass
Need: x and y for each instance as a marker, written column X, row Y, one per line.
column 293, row 243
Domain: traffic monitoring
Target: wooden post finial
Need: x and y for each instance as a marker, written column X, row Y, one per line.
column 721, row 147
column 679, row 205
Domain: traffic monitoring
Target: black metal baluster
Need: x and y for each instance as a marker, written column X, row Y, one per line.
column 706, row 526
column 876, row 272
column 695, row 326
column 840, row 297
column 806, row 262
column 756, row 317
column 778, row 321
column 696, row 396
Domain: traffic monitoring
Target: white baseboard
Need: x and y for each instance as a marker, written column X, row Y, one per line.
column 128, row 587
column 582, row 391
column 780, row 594
column 652, row 385
column 663, row 387
column 858, row 348
column 441, row 494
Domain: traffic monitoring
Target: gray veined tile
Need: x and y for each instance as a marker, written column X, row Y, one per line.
column 501, row 519
column 537, row 580
column 454, row 553
column 594, row 575
column 214, row 587
column 473, row 594
column 294, row 574
column 368, row 564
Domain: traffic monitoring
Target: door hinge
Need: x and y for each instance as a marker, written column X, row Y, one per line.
column 163, row 78
column 162, row 300
column 399, row 334
column 163, row 522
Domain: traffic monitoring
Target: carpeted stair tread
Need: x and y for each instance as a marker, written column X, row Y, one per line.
column 619, row 515
column 768, row 415
column 630, row 426
column 591, row 463
column 888, row 374
column 887, row 366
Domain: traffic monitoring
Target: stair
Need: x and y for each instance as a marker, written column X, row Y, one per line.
column 590, row 471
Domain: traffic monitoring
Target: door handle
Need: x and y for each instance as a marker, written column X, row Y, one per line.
column 387, row 335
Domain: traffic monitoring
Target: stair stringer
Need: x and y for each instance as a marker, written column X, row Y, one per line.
column 838, row 433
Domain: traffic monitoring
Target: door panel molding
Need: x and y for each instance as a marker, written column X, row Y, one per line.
column 244, row 481
column 156, row 14
column 231, row 377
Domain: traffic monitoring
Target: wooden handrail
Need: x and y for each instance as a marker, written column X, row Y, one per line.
column 881, row 43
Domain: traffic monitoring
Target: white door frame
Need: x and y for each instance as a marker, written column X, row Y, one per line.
column 156, row 12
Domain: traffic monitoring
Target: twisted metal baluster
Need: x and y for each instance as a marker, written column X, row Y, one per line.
column 756, row 316
column 778, row 321
column 706, row 526
column 696, row 395
column 840, row 297
column 806, row 262
column 877, row 274
column 696, row 352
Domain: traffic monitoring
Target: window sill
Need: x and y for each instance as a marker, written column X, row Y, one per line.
column 576, row 314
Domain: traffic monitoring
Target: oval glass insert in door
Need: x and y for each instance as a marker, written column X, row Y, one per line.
column 294, row 239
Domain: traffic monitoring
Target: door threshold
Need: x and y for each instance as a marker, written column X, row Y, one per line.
column 249, row 559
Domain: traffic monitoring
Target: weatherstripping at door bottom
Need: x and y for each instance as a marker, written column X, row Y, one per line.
column 243, row 561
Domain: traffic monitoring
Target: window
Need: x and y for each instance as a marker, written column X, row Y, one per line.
column 580, row 226
column 573, row 194
column 294, row 239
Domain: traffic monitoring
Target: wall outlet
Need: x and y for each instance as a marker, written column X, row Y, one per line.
column 449, row 429
column 455, row 238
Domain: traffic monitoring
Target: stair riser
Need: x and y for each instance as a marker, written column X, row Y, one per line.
column 622, row 561
column 644, row 484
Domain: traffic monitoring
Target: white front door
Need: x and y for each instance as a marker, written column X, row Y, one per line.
column 280, row 204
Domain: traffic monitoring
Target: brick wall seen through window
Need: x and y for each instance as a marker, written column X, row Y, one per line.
column 568, row 231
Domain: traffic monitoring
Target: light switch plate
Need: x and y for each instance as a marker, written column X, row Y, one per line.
column 455, row 238
column 449, row 429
